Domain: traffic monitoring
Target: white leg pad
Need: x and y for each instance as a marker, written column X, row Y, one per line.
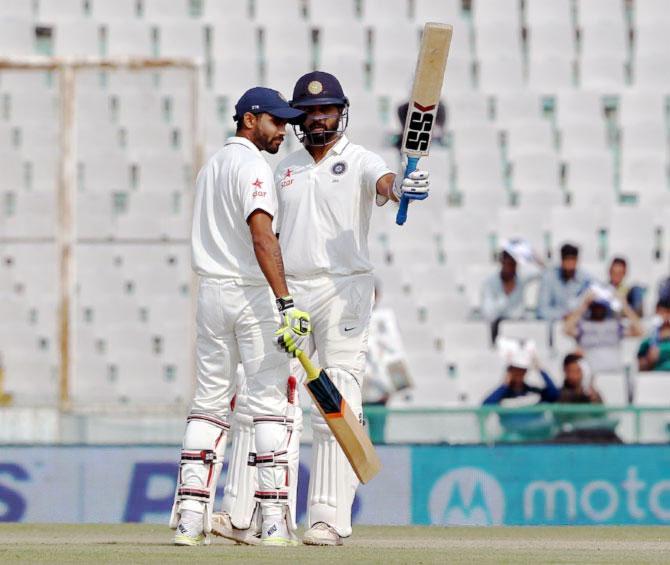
column 241, row 481
column 273, row 434
column 333, row 483
column 201, row 462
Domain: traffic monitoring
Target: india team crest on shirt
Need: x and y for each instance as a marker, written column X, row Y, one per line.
column 339, row 168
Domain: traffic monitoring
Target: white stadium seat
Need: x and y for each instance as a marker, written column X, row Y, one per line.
column 536, row 176
column 62, row 10
column 436, row 11
column 583, row 106
column 182, row 39
column 646, row 176
column 157, row 10
column 637, row 106
column 215, row 11
column 399, row 43
column 76, row 38
column 605, row 74
column 385, row 11
column 17, row 37
column 651, row 12
column 467, row 109
column 459, row 76
column 271, row 13
column 536, row 135
column 651, row 39
column 501, row 74
column 128, row 38
column 496, row 40
column 645, row 138
column 596, row 11
column 482, row 138
column 551, row 40
column 105, row 11
column 550, row 74
column 604, row 39
column 590, row 178
column 480, row 180
column 653, row 71
column 652, row 388
column 579, row 137
column 233, row 76
column 493, row 11
column 520, row 223
column 558, row 12
column 19, row 9
column 322, row 13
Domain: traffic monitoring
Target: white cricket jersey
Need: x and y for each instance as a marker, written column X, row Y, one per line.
column 233, row 183
column 325, row 210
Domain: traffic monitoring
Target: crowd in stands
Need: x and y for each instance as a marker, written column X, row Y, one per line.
column 597, row 315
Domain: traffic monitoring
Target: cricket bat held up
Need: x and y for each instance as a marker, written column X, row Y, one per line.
column 428, row 78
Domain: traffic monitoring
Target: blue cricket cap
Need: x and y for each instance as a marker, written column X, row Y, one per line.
column 259, row 100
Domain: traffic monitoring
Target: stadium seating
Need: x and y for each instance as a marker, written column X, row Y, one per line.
column 557, row 130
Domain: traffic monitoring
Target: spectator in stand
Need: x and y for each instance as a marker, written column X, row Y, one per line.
column 654, row 351
column 514, row 385
column 598, row 328
column 561, row 286
column 664, row 289
column 573, row 390
column 502, row 294
column 633, row 295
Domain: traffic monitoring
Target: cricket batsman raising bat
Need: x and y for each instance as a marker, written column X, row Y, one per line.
column 428, row 79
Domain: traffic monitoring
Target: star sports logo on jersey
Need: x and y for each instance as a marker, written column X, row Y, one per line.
column 258, row 184
column 467, row 496
column 287, row 180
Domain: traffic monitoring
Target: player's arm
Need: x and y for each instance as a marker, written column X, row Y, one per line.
column 389, row 186
column 392, row 187
column 267, row 251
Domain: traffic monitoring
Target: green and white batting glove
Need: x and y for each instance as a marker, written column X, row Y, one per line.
column 296, row 327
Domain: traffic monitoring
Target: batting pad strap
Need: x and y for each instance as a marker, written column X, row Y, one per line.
column 270, row 495
column 273, row 459
column 273, row 420
column 203, row 456
column 217, row 422
column 190, row 493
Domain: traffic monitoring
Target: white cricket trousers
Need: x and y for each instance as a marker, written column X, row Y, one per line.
column 237, row 323
column 340, row 309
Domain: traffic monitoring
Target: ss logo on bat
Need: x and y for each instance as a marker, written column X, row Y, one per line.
column 418, row 134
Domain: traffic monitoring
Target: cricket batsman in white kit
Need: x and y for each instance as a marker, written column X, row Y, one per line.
column 326, row 192
column 236, row 253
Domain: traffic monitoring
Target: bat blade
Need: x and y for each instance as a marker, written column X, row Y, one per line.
column 428, row 79
column 341, row 420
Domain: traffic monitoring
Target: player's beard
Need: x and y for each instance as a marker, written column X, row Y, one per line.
column 324, row 137
column 270, row 145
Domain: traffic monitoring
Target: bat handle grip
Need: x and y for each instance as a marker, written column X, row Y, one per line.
column 401, row 216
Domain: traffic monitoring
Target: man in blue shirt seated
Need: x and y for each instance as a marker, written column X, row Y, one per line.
column 561, row 286
column 515, row 386
column 515, row 392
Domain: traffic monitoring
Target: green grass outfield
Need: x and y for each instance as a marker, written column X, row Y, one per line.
column 134, row 543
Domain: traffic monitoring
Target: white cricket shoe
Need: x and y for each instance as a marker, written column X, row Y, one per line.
column 321, row 534
column 222, row 526
column 276, row 533
column 189, row 530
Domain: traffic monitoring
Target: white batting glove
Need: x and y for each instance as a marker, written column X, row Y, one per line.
column 415, row 185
